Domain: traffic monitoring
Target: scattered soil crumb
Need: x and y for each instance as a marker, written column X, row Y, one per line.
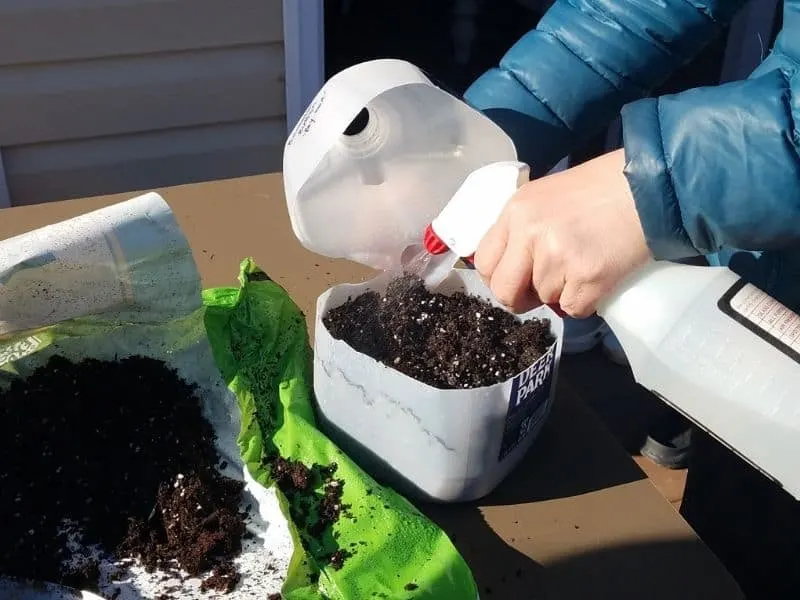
column 337, row 558
column 315, row 505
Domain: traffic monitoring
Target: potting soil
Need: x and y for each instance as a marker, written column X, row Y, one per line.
column 447, row 341
column 118, row 457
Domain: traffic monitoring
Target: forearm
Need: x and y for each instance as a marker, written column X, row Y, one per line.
column 717, row 166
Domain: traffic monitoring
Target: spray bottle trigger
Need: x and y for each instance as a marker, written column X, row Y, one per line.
column 469, row 262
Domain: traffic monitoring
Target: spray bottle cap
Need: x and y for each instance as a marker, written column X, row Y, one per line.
column 474, row 208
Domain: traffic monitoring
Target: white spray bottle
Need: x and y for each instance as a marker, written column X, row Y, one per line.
column 717, row 349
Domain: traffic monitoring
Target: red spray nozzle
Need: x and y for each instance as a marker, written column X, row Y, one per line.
column 432, row 242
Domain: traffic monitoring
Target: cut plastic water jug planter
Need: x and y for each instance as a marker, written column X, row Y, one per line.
column 444, row 445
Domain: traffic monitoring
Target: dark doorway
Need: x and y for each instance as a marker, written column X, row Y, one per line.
column 422, row 32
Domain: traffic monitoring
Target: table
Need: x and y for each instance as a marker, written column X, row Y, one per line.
column 577, row 519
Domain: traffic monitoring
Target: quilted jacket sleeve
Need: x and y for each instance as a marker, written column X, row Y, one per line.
column 720, row 167
column 564, row 81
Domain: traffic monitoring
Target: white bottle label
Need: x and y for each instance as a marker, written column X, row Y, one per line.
column 764, row 316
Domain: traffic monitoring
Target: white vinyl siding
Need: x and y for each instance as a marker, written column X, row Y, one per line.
column 104, row 96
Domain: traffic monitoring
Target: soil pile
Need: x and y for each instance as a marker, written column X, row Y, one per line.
column 315, row 505
column 449, row 342
column 115, row 455
column 197, row 523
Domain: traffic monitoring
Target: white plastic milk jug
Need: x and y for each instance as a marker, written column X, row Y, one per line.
column 368, row 193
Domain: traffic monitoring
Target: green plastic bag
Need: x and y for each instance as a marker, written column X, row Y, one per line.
column 260, row 343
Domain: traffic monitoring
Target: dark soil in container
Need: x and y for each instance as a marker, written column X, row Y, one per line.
column 455, row 341
column 122, row 452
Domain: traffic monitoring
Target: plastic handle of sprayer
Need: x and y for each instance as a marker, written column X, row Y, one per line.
column 469, row 262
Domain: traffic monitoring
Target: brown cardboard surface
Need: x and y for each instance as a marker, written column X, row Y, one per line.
column 578, row 519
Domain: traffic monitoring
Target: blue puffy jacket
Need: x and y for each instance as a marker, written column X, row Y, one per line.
column 713, row 170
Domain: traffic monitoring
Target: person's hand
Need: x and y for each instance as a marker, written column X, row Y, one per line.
column 567, row 239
